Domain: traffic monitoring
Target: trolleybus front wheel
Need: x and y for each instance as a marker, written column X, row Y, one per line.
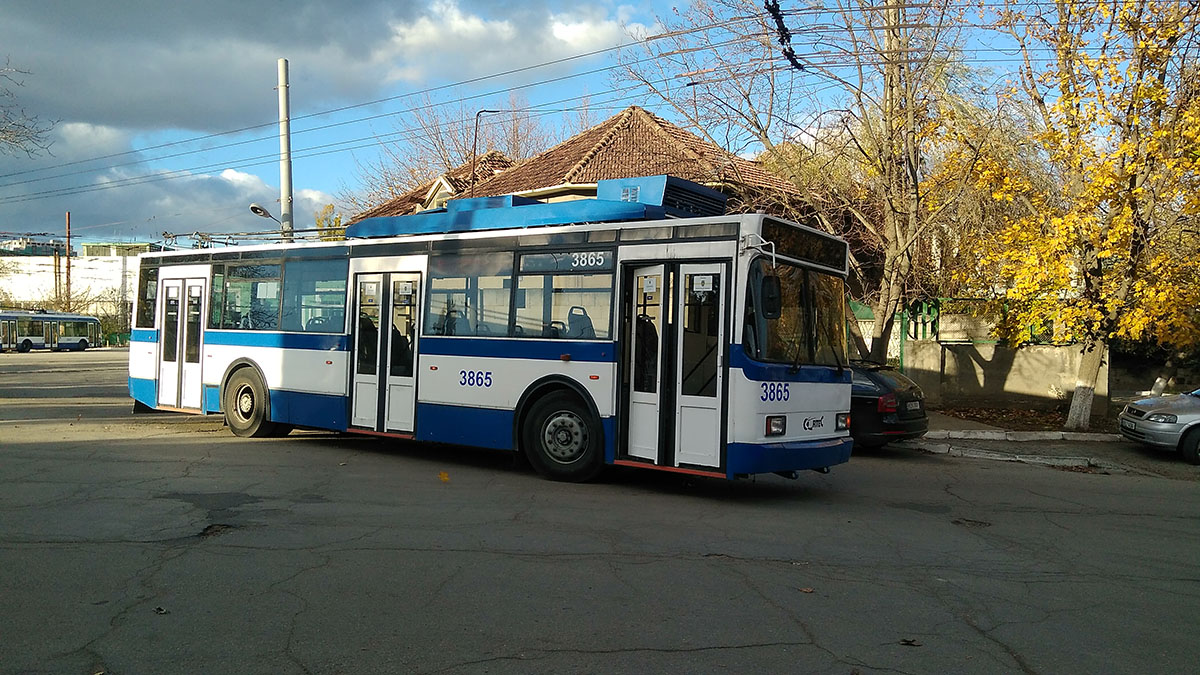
column 246, row 405
column 563, row 439
column 25, row 346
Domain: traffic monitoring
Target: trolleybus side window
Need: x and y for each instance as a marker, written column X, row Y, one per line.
column 314, row 295
column 252, row 297
column 147, row 297
column 469, row 294
column 565, row 295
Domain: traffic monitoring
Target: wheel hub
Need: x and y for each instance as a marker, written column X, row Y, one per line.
column 564, row 437
column 245, row 402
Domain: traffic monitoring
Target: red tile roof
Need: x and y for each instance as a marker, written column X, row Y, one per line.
column 459, row 178
column 632, row 143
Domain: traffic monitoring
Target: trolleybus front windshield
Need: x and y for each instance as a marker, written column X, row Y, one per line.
column 809, row 328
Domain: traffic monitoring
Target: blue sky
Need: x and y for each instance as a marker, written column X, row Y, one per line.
column 148, row 97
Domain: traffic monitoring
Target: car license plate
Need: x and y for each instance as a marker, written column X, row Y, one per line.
column 914, row 405
column 1126, row 424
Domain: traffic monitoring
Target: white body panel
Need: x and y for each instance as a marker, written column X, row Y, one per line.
column 308, row 370
column 811, row 410
column 442, row 376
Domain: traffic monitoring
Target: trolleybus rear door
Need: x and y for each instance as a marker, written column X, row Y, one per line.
column 384, row 387
column 8, row 334
column 179, row 369
column 50, row 334
column 646, row 351
column 699, row 381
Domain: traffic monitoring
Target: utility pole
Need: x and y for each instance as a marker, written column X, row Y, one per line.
column 68, row 307
column 285, row 155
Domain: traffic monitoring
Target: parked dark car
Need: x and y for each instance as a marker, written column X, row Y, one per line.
column 885, row 406
column 1167, row 422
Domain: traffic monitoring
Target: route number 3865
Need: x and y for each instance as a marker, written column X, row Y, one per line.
column 775, row 391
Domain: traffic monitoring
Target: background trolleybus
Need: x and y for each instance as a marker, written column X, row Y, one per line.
column 641, row 328
column 25, row 330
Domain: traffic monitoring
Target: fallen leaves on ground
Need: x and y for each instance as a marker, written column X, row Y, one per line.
column 1025, row 419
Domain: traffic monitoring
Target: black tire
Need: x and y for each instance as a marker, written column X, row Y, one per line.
column 562, row 439
column 82, row 345
column 25, row 346
column 281, row 430
column 1189, row 446
column 247, row 405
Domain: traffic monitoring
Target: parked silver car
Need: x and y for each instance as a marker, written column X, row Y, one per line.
column 1167, row 421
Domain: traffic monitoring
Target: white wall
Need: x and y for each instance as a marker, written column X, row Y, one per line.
column 32, row 278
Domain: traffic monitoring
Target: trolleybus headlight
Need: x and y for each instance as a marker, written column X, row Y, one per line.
column 776, row 425
column 843, row 421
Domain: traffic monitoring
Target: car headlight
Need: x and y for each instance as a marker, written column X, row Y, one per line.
column 1162, row 417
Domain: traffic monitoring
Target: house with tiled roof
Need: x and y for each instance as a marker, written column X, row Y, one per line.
column 433, row 194
column 632, row 143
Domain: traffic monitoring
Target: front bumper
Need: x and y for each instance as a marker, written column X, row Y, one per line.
column 1151, row 433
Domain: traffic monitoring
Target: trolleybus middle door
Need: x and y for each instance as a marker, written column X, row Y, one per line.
column 384, row 388
column 646, row 352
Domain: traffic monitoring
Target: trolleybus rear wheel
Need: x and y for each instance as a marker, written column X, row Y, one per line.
column 563, row 439
column 246, row 405
column 25, row 346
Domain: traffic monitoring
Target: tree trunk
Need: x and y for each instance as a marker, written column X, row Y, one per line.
column 1080, row 414
column 1165, row 376
column 858, row 343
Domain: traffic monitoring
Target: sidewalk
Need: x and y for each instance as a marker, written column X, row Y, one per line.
column 943, row 426
column 957, row 437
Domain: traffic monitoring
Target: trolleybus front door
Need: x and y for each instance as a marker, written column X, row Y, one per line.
column 676, row 378
column 179, row 368
column 700, row 349
column 8, row 334
column 384, row 388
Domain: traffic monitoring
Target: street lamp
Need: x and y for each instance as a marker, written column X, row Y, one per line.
column 263, row 213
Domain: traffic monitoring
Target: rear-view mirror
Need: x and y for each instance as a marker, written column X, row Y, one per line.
column 770, row 294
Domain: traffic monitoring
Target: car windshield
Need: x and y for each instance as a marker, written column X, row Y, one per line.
column 810, row 328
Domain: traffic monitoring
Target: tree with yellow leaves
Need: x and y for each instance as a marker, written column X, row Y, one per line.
column 1110, row 250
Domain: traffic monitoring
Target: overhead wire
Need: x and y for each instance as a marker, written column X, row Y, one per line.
column 851, row 60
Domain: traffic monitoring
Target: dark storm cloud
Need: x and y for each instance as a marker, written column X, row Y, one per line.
column 194, row 65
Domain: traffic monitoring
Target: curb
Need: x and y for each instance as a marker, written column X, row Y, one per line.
column 1001, row 435
column 975, row 453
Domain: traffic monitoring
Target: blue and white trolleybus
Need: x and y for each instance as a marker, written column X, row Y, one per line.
column 642, row 328
column 23, row 330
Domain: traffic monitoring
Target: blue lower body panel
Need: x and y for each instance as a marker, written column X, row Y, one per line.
column 748, row 458
column 318, row 411
column 144, row 391
column 460, row 425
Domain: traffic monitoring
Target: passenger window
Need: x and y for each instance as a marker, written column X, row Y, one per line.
column 564, row 306
column 469, row 294
column 147, row 297
column 314, row 296
column 252, row 297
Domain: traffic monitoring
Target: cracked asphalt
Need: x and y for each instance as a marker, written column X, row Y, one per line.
column 163, row 544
